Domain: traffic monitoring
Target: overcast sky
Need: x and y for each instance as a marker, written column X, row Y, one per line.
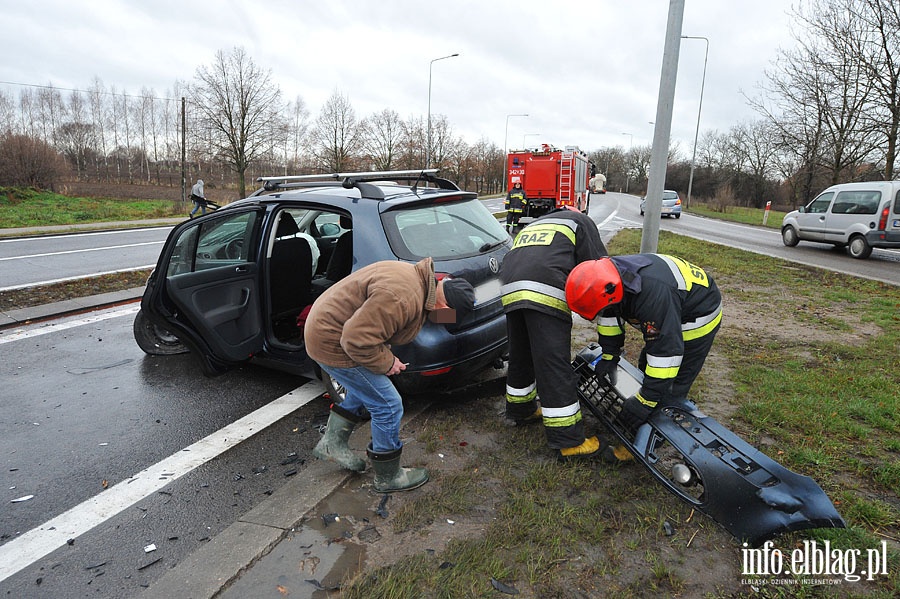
column 585, row 71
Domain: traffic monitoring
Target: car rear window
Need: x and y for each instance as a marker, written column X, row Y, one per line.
column 670, row 195
column 443, row 231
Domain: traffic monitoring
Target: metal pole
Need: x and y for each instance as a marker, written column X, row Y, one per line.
column 699, row 108
column 506, row 149
column 183, row 174
column 663, row 129
column 428, row 134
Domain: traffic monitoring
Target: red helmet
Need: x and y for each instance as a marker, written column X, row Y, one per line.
column 592, row 286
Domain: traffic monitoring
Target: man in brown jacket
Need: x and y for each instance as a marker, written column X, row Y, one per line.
column 349, row 332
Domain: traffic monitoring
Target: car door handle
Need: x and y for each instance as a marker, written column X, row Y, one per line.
column 242, row 269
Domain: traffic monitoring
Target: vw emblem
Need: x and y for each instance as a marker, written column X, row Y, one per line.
column 495, row 266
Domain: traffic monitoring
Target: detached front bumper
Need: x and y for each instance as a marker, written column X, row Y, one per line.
column 706, row 465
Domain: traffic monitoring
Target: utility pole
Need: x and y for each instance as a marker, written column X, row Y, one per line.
column 663, row 128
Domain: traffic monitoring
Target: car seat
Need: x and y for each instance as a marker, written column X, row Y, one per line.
column 341, row 261
column 290, row 271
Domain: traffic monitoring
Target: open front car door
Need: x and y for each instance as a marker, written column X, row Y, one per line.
column 206, row 288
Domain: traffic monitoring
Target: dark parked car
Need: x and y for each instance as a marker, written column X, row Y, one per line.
column 234, row 285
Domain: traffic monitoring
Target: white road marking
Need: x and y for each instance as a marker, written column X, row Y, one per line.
column 100, row 249
column 53, row 534
column 61, row 325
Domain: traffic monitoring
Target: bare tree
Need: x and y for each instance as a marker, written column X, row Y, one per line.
column 241, row 107
column 337, row 135
column 383, row 140
column 880, row 56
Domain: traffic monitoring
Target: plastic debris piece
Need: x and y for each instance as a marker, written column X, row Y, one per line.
column 449, row 521
column 329, row 518
column 70, row 542
column 103, row 444
column 503, row 588
column 150, row 548
column 445, row 565
column 95, row 566
column 381, row 510
column 148, row 564
column 668, row 528
column 369, row 534
column 291, row 458
column 291, row 472
column 23, row 498
column 104, row 483
column 260, row 469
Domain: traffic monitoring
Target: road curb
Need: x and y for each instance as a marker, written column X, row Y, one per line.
column 22, row 316
column 231, row 554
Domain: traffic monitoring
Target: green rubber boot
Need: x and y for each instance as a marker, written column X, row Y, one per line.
column 333, row 445
column 390, row 477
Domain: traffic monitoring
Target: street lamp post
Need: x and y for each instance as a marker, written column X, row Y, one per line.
column 506, row 146
column 630, row 145
column 428, row 133
column 699, row 108
column 527, row 135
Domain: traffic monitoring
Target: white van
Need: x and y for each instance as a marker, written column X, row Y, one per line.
column 858, row 216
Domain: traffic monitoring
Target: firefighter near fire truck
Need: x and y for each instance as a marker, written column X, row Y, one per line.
column 550, row 178
column 514, row 205
column 676, row 306
column 539, row 327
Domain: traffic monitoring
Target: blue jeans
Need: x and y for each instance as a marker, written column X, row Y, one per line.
column 378, row 395
column 198, row 207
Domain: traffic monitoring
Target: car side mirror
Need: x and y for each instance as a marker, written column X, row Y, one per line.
column 329, row 230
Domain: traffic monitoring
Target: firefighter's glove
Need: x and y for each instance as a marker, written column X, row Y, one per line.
column 635, row 411
column 606, row 366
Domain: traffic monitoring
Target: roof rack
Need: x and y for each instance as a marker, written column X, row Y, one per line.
column 362, row 181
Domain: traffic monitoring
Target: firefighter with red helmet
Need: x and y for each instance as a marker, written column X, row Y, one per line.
column 676, row 306
column 515, row 205
column 539, row 326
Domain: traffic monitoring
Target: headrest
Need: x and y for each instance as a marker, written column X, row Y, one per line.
column 287, row 226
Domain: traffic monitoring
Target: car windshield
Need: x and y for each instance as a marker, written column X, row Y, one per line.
column 443, row 231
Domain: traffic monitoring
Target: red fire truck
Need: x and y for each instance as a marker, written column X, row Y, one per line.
column 552, row 178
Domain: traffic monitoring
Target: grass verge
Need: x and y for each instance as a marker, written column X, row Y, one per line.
column 22, row 207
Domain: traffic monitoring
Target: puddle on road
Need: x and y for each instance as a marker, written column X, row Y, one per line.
column 328, row 548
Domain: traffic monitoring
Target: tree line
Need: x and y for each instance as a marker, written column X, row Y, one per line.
column 829, row 112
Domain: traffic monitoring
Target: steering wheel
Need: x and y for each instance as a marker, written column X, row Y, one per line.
column 233, row 249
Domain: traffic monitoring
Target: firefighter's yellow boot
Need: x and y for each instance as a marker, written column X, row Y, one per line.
column 537, row 416
column 588, row 448
column 616, row 454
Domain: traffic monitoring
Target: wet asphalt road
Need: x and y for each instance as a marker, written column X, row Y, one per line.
column 85, row 409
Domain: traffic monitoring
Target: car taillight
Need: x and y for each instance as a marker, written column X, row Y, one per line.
column 678, row 202
column 882, row 222
column 441, row 275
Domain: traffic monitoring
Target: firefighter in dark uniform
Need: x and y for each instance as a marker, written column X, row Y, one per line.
column 676, row 306
column 515, row 205
column 539, row 325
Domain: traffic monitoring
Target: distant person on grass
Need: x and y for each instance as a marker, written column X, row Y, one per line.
column 199, row 198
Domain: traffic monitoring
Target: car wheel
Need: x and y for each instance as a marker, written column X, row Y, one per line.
column 335, row 390
column 859, row 247
column 154, row 340
column 678, row 215
column 789, row 236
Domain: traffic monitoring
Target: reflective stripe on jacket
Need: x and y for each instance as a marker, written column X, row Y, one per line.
column 534, row 272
